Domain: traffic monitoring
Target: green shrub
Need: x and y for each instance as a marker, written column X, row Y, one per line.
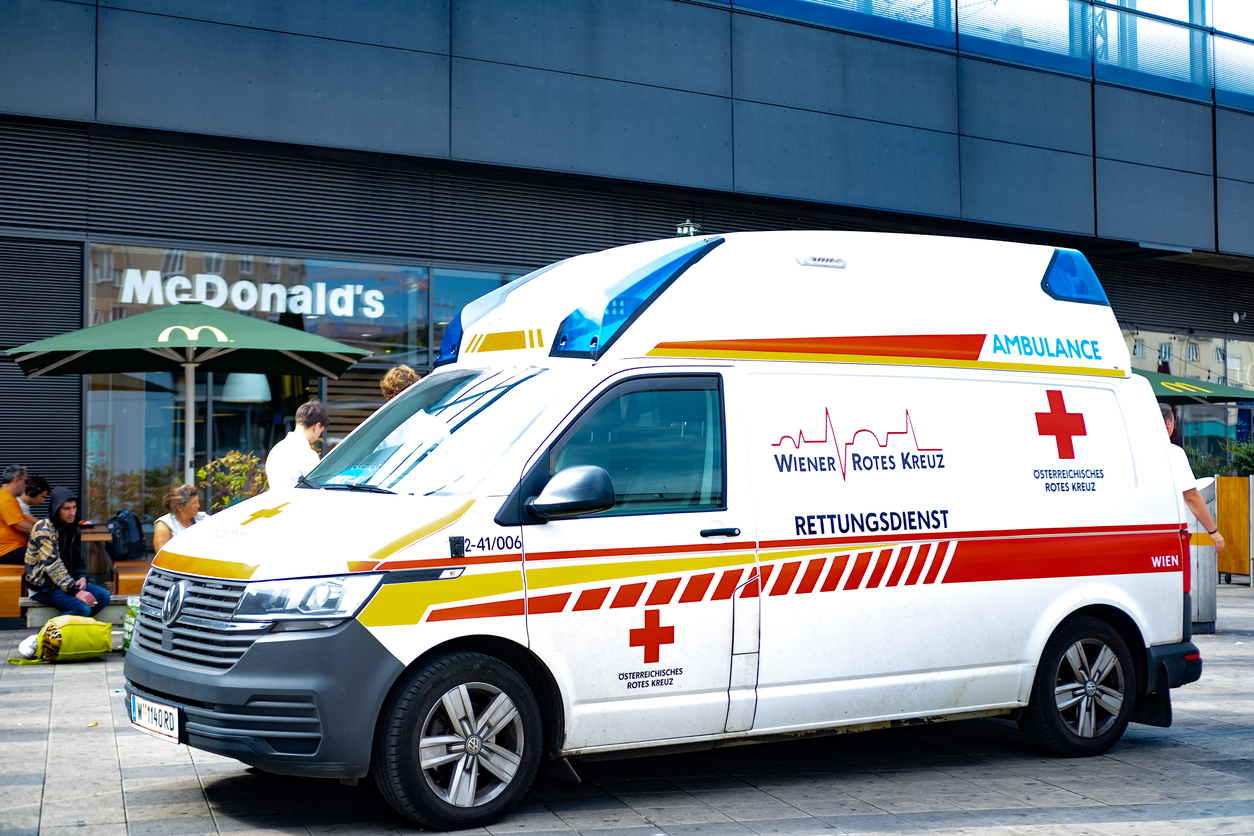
column 233, row 478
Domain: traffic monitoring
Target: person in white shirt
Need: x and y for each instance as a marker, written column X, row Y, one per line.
column 1183, row 473
column 294, row 456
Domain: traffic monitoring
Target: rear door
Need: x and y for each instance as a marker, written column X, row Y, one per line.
column 632, row 608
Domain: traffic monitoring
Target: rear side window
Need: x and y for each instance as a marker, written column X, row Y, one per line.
column 660, row 440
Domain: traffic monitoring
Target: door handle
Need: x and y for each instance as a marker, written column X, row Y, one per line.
column 720, row 532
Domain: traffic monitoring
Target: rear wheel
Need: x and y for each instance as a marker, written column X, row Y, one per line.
column 1083, row 692
column 459, row 743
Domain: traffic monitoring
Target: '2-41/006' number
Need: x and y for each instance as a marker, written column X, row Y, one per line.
column 493, row 544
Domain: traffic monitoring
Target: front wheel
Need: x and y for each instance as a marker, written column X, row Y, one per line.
column 458, row 743
column 1083, row 692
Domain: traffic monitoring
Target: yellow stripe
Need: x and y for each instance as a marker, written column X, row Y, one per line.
column 879, row 360
column 419, row 533
column 549, row 577
column 1200, row 538
column 203, row 566
column 407, row 603
column 503, row 341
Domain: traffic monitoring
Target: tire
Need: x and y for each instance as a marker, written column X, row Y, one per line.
column 483, row 739
column 1084, row 690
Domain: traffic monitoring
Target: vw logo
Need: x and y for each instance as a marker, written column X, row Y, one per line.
column 473, row 745
column 173, row 603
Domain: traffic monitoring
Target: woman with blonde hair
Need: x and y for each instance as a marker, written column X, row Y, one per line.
column 397, row 380
column 184, row 506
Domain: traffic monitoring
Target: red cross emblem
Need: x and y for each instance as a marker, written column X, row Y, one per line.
column 1060, row 423
column 652, row 636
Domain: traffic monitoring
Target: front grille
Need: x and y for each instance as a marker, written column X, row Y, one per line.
column 203, row 634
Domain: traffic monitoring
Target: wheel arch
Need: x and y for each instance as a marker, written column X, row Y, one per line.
column 529, row 666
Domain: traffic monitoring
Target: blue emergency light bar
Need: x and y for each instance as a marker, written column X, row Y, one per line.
column 1070, row 278
column 580, row 335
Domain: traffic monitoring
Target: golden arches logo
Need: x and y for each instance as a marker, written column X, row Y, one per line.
column 193, row 334
column 1185, row 388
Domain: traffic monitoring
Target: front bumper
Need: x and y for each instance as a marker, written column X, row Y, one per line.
column 302, row 703
column 1171, row 665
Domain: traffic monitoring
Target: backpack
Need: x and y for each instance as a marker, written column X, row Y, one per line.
column 69, row 638
column 128, row 539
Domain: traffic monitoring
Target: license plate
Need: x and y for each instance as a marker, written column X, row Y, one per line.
column 155, row 718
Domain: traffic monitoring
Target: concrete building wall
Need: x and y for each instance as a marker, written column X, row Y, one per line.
column 655, row 91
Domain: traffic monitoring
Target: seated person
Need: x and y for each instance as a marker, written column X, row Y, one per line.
column 36, row 492
column 184, row 506
column 56, row 573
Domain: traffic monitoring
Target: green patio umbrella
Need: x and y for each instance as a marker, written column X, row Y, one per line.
column 1182, row 390
column 189, row 335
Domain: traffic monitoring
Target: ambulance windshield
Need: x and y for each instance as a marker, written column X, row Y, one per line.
column 438, row 436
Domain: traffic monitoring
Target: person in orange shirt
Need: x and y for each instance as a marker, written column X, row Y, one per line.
column 14, row 525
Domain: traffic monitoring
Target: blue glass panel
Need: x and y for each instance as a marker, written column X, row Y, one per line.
column 1070, row 278
column 1024, row 55
column 452, row 340
column 581, row 335
column 923, row 31
column 1149, row 81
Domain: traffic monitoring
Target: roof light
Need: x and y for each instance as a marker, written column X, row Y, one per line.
column 451, row 342
column 586, row 333
column 1070, row 278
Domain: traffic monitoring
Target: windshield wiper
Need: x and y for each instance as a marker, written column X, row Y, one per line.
column 302, row 482
column 363, row 488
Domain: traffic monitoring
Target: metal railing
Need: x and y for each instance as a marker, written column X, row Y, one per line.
column 1167, row 46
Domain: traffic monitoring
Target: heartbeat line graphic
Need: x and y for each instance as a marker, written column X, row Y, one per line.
column 842, row 450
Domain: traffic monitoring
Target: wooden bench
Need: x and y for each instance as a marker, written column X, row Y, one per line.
column 11, row 591
column 37, row 614
column 129, row 575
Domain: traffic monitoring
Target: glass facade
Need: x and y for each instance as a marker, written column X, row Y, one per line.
column 134, row 436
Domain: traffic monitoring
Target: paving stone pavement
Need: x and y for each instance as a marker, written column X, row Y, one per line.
column 70, row 763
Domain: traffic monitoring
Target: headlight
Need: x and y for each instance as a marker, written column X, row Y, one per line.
column 306, row 598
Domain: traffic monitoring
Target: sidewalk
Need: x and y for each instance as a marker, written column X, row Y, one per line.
column 70, row 763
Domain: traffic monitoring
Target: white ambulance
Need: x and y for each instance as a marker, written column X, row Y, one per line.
column 696, row 493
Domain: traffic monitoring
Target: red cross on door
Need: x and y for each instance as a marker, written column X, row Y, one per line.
column 652, row 636
column 1060, row 423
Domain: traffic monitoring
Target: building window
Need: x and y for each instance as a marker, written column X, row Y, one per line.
column 1219, row 354
column 276, row 268
column 1194, row 354
column 1234, row 362
column 214, row 262
column 1164, row 352
column 1138, row 348
column 245, row 265
column 173, row 263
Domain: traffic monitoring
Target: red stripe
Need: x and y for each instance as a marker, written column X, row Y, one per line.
column 813, row 569
column 727, row 584
column 591, row 599
column 902, row 560
column 1005, row 560
column 695, row 590
column 908, row 537
column 838, row 569
column 787, row 573
column 764, row 575
column 628, row 595
column 920, row 560
column 944, row 346
column 663, row 592
column 587, row 553
column 859, row 569
column 938, row 560
column 542, row 604
column 881, row 566
column 492, row 610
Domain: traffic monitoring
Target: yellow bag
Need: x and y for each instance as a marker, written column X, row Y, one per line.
column 70, row 638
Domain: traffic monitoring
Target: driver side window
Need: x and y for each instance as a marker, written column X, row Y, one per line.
column 660, row 440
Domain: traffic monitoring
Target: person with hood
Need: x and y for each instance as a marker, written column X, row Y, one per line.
column 55, row 570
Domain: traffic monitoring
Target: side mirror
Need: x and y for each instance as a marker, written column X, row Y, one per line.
column 583, row 489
